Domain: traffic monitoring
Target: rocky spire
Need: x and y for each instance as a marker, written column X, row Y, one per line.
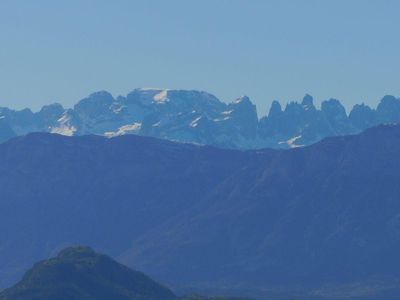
column 275, row 110
column 307, row 100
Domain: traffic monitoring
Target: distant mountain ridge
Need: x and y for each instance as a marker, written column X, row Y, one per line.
column 199, row 117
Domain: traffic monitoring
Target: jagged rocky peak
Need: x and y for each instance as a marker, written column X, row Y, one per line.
column 388, row 100
column 360, row 108
column 335, row 113
column 269, row 125
column 95, row 106
column 50, row 114
column 55, row 108
column 200, row 117
column 362, row 116
column 275, row 109
column 388, row 110
column 242, row 99
column 182, row 99
column 388, row 103
column 243, row 113
column 97, row 99
column 333, row 107
column 243, row 105
column 308, row 102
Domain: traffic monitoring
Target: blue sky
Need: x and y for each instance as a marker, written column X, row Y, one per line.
column 64, row 50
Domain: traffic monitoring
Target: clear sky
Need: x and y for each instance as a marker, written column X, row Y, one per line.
column 61, row 51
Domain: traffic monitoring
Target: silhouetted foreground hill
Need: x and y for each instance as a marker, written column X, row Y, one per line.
column 80, row 273
column 316, row 221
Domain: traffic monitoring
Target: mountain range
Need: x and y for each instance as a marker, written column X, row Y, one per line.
column 199, row 117
column 317, row 222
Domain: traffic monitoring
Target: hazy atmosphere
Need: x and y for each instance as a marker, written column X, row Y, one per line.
column 61, row 51
column 199, row 150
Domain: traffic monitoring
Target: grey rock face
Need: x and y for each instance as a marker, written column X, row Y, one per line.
column 388, row 110
column 362, row 116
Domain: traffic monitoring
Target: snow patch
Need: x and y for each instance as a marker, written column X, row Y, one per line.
column 227, row 112
column 222, row 119
column 292, row 142
column 65, row 128
column 156, row 124
column 119, row 109
column 126, row 129
column 161, row 97
column 195, row 122
column 146, row 89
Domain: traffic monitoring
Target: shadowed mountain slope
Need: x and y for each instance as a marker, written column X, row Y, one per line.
column 308, row 221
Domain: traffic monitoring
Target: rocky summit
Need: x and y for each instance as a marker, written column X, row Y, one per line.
column 201, row 118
